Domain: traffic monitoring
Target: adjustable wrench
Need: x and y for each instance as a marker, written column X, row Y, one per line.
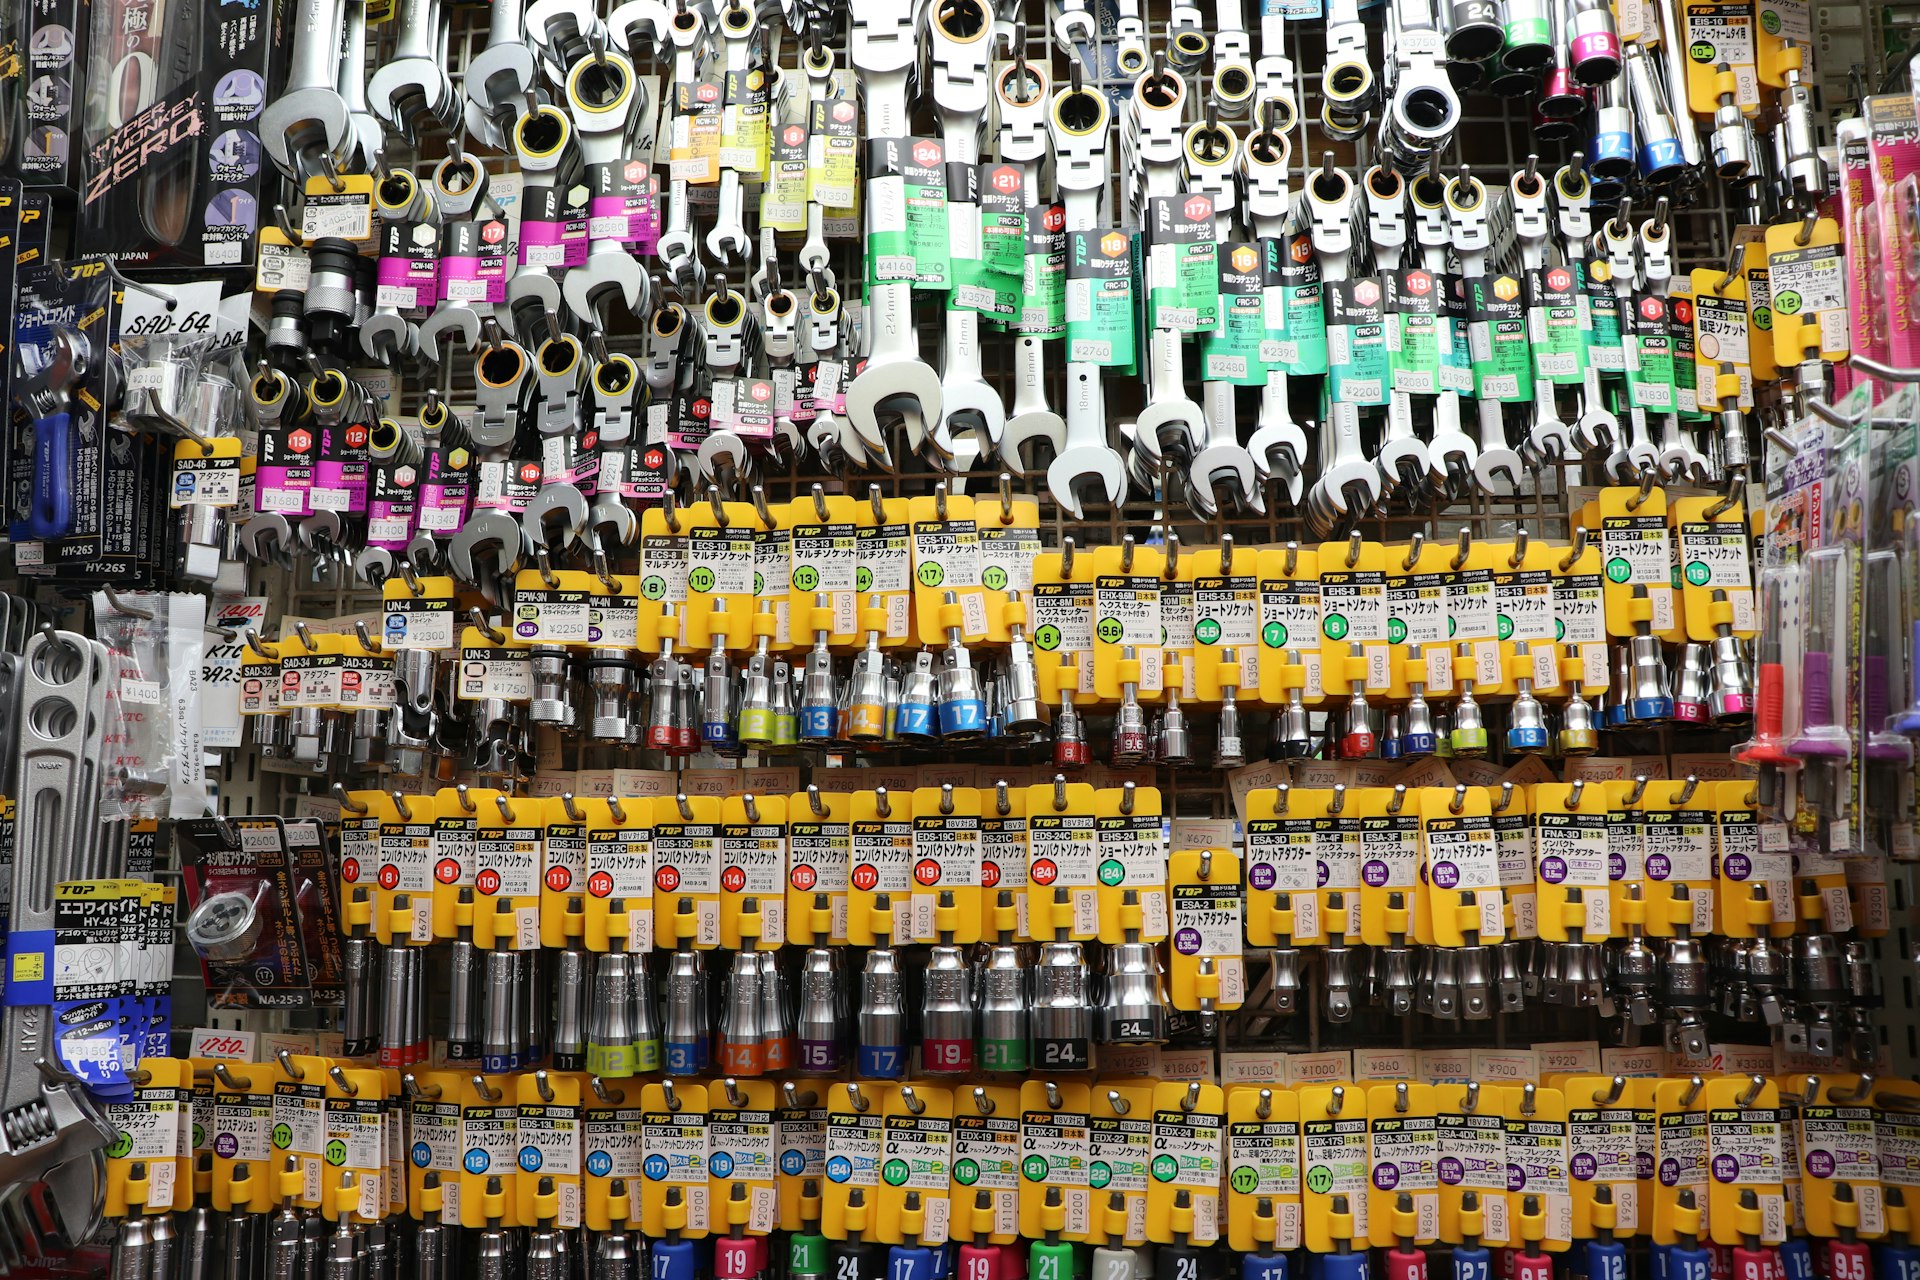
column 1171, row 422
column 1452, row 451
column 1078, row 124
column 1466, row 207
column 1403, row 459
column 605, row 97
column 960, row 47
column 306, row 127
column 49, row 1128
column 413, row 82
column 1548, row 438
column 1278, row 445
column 896, row 379
column 1220, row 463
column 1348, row 483
column 1634, row 455
column 727, row 239
column 1020, row 89
column 499, row 76
column 676, row 247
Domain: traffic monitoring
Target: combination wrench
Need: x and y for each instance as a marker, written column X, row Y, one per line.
column 676, row 248
column 727, row 239
column 1170, row 423
column 1679, row 458
column 1403, row 460
column 305, row 129
column 1278, row 444
column 960, row 46
column 895, row 379
column 499, row 76
column 366, row 137
column 1349, row 485
column 1078, row 124
column 1452, row 452
column 1221, row 465
column 1549, row 440
column 1633, row 454
column 1468, row 215
column 543, row 144
column 605, row 96
column 1022, row 94
column 459, row 187
column 1596, row 429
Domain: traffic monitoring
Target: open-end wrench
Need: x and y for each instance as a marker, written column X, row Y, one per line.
column 1074, row 25
column 1634, row 453
column 1170, row 423
column 562, row 32
column 1221, row 465
column 1078, row 123
column 676, row 248
column 487, row 551
column 366, row 137
column 1020, row 90
column 49, row 1128
column 1349, row 485
column 1403, row 459
column 1596, row 429
column 959, row 47
column 1471, row 236
column 641, row 26
column 1278, row 444
column 305, row 129
column 499, row 76
column 605, row 97
column 1549, row 440
column 727, row 239
column 896, row 379
column 543, row 143
column 411, row 87
column 1452, row 452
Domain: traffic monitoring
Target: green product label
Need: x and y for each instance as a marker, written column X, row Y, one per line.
column 1527, row 31
column 1415, row 330
column 1556, row 323
column 1605, row 352
column 917, row 250
column 1099, row 302
column 1651, row 385
column 1233, row 351
column 1356, row 341
column 1497, row 339
column 990, row 284
column 1043, row 274
column 1304, row 346
column 1685, row 375
column 1183, row 284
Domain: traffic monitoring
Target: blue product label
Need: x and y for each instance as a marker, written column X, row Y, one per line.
column 964, row 715
column 816, row 722
column 880, row 1062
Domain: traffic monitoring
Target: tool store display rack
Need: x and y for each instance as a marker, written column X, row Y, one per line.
column 1495, row 138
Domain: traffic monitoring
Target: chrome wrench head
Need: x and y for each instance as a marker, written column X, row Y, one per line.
column 555, row 508
column 463, row 322
column 896, row 379
column 1037, row 427
column 303, row 129
column 489, row 546
column 603, row 276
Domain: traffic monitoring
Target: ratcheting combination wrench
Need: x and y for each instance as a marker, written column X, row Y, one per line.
column 1021, row 91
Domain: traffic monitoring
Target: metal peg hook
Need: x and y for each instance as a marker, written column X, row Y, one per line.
column 732, row 1089
column 981, row 1102
column 1338, row 1101
column 1754, row 1085
column 543, row 1086
column 486, row 1090
column 814, row 802
column 1283, row 796
column 347, row 805
column 293, row 1069
column 1264, row 1108
column 1354, row 542
column 1414, row 544
column 912, row 1101
column 1639, row 790
column 856, row 1098
column 882, row 802
column 1460, row 552
column 1053, row 1096
column 1614, row 1091
column 946, row 798
column 1579, row 548
column 340, row 1081
column 1192, row 1098
column 464, row 792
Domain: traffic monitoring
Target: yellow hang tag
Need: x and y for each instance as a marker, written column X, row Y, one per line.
column 743, row 1151
column 916, row 1162
column 1054, row 1156
column 433, row 1130
column 1471, row 1124
column 1354, row 614
column 945, row 902
column 508, row 833
column 1405, row 1171
column 825, row 556
column 310, row 672
column 1263, row 1169
column 663, row 565
column 1680, row 1152
column 801, row 1119
column 880, row 875
column 205, row 475
column 1573, row 884
column 1290, row 626
column 418, row 613
column 1127, row 628
column 1463, row 904
column 947, row 569
column 1390, row 863
column 885, row 541
column 1721, row 342
column 985, row 1195
column 153, row 1130
column 1579, row 614
column 490, row 669
column 855, row 1125
column 551, row 608
column 547, row 1129
column 1837, row 1144
column 619, row 872
column 1756, row 884
column 1283, row 902
column 1061, row 617
column 563, row 872
column 355, row 1130
column 259, row 678
column 753, row 872
column 488, row 1190
column 1003, row 863
column 1062, row 861
column 1808, row 273
column 386, row 849
column 1130, row 848
column 673, row 1133
column 1719, row 33
column 720, row 567
column 1335, row 1152
column 1207, row 970
column 1009, row 530
column 280, row 262
column 1716, row 568
column 1523, row 603
column 1608, row 1124
column 818, row 861
column 1679, row 833
column 1183, row 1192
column 1537, row 1164
column 1120, row 1141
column 610, row 1126
column 338, row 207
column 686, row 871
column 1636, row 576
column 1745, row 1153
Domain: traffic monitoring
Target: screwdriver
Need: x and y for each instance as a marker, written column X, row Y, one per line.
column 1264, row 1263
